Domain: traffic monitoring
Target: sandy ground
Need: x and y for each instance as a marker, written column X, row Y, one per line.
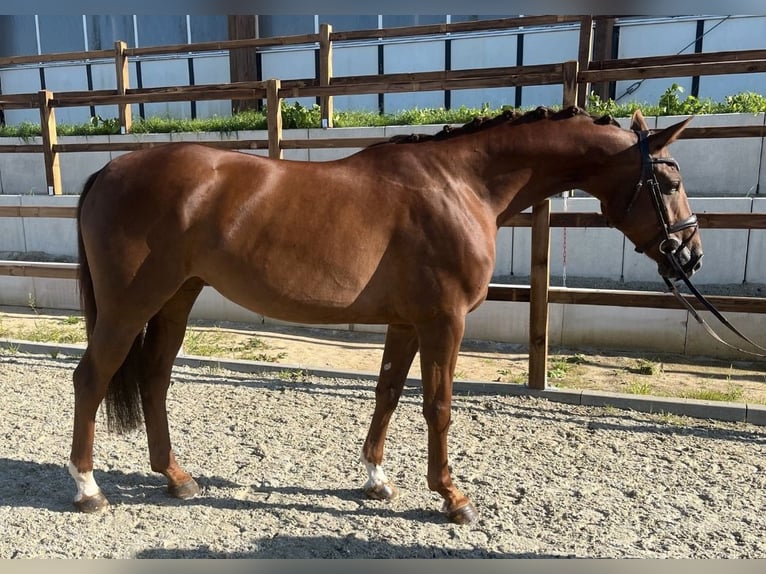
column 277, row 458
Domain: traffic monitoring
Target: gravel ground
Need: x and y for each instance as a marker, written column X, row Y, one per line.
column 278, row 460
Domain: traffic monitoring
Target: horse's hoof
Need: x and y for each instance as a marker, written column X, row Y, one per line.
column 381, row 491
column 465, row 514
column 93, row 503
column 186, row 490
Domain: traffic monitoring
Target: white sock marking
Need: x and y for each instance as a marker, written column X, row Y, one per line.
column 375, row 474
column 86, row 484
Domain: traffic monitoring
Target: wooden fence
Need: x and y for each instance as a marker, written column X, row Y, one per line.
column 573, row 76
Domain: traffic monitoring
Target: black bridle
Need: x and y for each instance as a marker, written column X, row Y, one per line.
column 668, row 244
column 671, row 246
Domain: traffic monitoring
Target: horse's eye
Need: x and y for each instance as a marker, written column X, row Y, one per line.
column 674, row 186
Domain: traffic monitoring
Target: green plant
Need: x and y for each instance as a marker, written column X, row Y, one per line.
column 670, row 103
column 558, row 368
column 298, row 116
column 732, row 394
column 640, row 388
column 645, row 367
column 746, row 102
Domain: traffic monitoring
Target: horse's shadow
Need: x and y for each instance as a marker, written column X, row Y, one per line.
column 26, row 484
column 334, row 547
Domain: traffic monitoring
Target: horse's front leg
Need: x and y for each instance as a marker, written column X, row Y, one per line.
column 398, row 353
column 439, row 346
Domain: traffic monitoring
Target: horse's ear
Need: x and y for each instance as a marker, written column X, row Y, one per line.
column 664, row 138
column 637, row 122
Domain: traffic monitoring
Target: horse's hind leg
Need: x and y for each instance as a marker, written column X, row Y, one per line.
column 164, row 336
column 398, row 353
column 108, row 346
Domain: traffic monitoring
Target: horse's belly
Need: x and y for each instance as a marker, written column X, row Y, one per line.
column 305, row 297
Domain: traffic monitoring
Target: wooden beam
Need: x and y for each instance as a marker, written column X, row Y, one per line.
column 122, row 70
column 584, row 51
column 243, row 62
column 538, row 306
column 325, row 73
column 274, row 118
column 51, row 157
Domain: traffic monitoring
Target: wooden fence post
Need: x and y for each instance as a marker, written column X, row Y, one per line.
column 325, row 73
column 539, row 282
column 274, row 118
column 540, row 273
column 584, row 55
column 51, row 157
column 123, row 82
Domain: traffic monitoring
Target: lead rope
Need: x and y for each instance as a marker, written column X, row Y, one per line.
column 709, row 306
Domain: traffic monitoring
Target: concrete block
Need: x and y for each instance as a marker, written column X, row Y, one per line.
column 756, row 414
column 499, row 321
column 56, row 294
column 11, row 228
column 503, row 252
column 718, row 410
column 702, row 161
column 76, row 168
column 725, row 249
column 131, row 138
column 211, row 305
column 254, row 135
column 585, row 252
column 198, row 137
column 54, row 236
column 291, row 154
column 23, row 173
column 16, row 291
column 624, row 328
column 700, row 342
column 338, row 153
column 430, row 129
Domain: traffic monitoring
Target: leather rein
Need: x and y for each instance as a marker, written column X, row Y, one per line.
column 670, row 246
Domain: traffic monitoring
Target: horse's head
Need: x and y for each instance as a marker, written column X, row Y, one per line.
column 652, row 210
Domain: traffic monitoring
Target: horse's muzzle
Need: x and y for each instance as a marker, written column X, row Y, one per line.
column 680, row 263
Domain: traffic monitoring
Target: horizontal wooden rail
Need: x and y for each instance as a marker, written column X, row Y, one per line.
column 19, row 101
column 218, row 46
column 672, row 71
column 496, row 292
column 621, row 298
column 457, row 27
column 696, row 58
column 58, row 57
column 37, row 269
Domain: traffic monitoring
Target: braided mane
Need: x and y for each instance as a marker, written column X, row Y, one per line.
column 506, row 116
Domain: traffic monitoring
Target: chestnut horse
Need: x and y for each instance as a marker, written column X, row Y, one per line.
column 401, row 233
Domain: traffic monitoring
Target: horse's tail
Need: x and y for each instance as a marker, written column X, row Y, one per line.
column 123, row 399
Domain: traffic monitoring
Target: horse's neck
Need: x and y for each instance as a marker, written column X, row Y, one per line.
column 542, row 160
